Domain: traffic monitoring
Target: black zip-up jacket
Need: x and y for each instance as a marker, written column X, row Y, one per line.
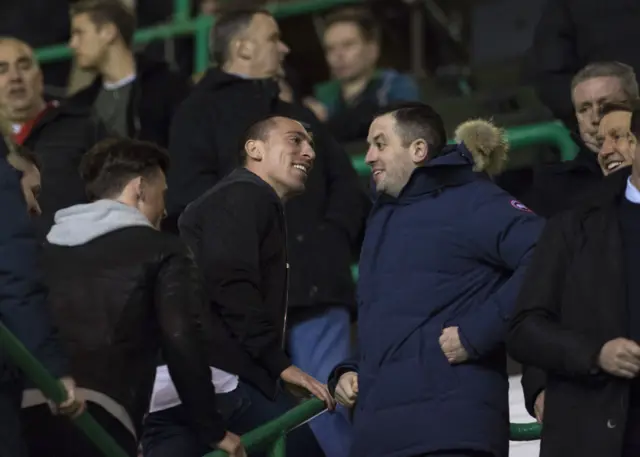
column 325, row 223
column 121, row 299
column 59, row 139
column 237, row 233
column 157, row 91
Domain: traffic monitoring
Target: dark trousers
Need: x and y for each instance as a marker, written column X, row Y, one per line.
column 54, row 436
column 167, row 433
column 11, row 443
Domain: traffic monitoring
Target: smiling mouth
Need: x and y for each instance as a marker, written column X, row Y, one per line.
column 303, row 168
column 613, row 165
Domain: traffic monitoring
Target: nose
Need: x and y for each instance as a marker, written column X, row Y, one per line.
column 606, row 149
column 372, row 156
column 595, row 116
column 308, row 152
column 284, row 49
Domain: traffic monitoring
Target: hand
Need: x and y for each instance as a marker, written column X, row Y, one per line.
column 620, row 357
column 232, row 445
column 297, row 377
column 538, row 407
column 72, row 406
column 452, row 347
column 317, row 107
column 347, row 389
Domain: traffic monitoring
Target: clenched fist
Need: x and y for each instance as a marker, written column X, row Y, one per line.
column 452, row 347
column 347, row 389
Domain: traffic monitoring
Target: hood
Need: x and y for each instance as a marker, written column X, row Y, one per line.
column 80, row 224
column 215, row 79
column 477, row 142
column 486, row 143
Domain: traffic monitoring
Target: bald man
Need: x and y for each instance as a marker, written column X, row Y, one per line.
column 57, row 134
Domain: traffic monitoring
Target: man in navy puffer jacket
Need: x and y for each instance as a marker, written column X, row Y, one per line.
column 442, row 261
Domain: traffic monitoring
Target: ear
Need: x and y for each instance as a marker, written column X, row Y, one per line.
column 136, row 188
column 109, row 32
column 245, row 49
column 374, row 51
column 254, row 149
column 419, row 150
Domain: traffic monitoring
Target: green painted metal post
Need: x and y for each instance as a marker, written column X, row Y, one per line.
column 262, row 437
column 201, row 46
column 52, row 388
column 181, row 10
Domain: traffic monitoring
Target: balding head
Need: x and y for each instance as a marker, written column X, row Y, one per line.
column 21, row 81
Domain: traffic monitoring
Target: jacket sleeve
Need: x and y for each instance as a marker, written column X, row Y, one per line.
column 534, row 381
column 554, row 58
column 347, row 203
column 505, row 237
column 338, row 371
column 536, row 336
column 230, row 262
column 182, row 316
column 23, row 308
column 194, row 165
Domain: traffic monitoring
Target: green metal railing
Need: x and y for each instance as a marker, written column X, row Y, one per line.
column 272, row 435
column 53, row 389
column 199, row 27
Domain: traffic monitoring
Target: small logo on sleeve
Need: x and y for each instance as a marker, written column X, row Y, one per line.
column 520, row 206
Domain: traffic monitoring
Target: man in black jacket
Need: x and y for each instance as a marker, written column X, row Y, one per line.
column 324, row 224
column 577, row 319
column 133, row 97
column 562, row 186
column 22, row 306
column 145, row 296
column 237, row 233
column 58, row 134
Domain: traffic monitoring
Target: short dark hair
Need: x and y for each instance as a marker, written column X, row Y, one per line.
column 259, row 130
column 114, row 12
column 229, row 23
column 415, row 120
column 112, row 163
column 361, row 18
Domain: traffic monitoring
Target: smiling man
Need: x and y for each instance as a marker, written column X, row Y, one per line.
column 615, row 139
column 237, row 232
column 577, row 318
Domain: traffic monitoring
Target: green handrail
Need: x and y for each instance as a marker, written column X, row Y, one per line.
column 198, row 26
column 271, row 435
column 53, row 390
column 551, row 133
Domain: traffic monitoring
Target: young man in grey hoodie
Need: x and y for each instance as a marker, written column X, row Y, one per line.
column 121, row 292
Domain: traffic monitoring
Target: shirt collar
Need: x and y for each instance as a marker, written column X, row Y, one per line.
column 632, row 193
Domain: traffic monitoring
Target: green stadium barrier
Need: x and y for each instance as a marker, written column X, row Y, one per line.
column 53, row 389
column 271, row 436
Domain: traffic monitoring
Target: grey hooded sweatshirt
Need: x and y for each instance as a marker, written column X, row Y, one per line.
column 80, row 224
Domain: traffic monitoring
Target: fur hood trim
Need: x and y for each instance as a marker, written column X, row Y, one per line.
column 486, row 143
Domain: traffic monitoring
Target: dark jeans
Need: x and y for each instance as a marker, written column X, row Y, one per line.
column 11, row 443
column 168, row 434
column 54, row 436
